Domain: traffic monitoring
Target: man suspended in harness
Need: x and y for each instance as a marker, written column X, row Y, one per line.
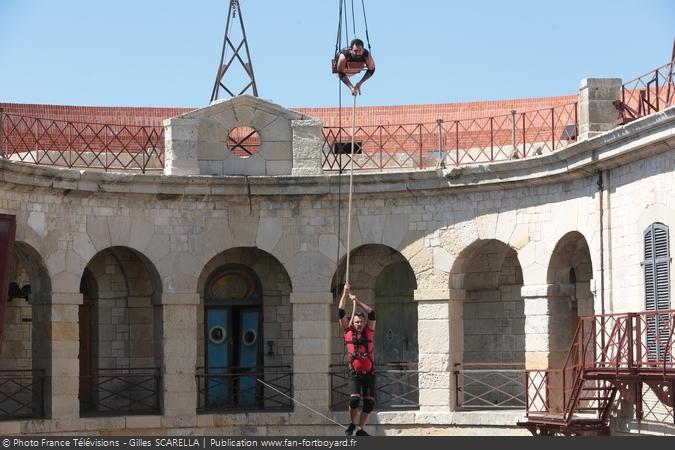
column 359, row 340
column 351, row 61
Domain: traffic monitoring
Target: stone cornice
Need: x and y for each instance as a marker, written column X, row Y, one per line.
column 648, row 136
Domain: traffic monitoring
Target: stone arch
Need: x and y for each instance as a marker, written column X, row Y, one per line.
column 489, row 324
column 383, row 278
column 569, row 274
column 224, row 297
column 487, row 276
column 25, row 352
column 120, row 331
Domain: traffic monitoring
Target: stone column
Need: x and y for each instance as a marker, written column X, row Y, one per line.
column 550, row 321
column 311, row 348
column 179, row 350
column 597, row 114
column 180, row 146
column 436, row 318
column 307, row 147
column 549, row 324
column 56, row 346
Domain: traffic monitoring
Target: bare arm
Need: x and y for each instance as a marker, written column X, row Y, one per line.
column 370, row 64
column 370, row 312
column 341, row 66
column 341, row 307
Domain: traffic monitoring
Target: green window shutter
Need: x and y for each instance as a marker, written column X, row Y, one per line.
column 657, row 288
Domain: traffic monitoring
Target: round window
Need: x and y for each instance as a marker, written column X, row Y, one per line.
column 217, row 334
column 243, row 141
column 250, row 337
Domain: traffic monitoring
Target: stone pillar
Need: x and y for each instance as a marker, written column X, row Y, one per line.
column 307, row 147
column 180, row 146
column 550, row 321
column 179, row 350
column 597, row 114
column 311, row 348
column 437, row 350
column 56, row 346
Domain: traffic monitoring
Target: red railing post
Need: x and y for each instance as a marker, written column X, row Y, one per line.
column 513, row 130
column 552, row 129
column 381, row 148
column 2, row 134
column 69, row 144
column 524, row 136
column 492, row 140
column 420, row 126
column 457, row 141
column 441, row 154
column 630, row 341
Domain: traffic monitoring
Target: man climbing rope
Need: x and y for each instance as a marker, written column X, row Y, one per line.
column 352, row 56
column 359, row 339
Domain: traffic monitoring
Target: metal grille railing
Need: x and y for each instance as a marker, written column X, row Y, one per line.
column 97, row 146
column 129, row 148
column 120, row 392
column 647, row 94
column 396, row 386
column 259, row 388
column 458, row 142
column 490, row 385
column 22, row 394
column 616, row 346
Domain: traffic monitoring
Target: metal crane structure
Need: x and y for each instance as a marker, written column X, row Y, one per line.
column 226, row 77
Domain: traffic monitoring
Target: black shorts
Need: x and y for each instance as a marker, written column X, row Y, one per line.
column 363, row 384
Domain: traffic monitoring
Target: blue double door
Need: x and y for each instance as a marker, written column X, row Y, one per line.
column 233, row 356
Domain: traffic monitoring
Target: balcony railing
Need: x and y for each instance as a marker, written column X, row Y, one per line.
column 22, row 394
column 490, row 385
column 605, row 348
column 647, row 94
column 236, row 389
column 96, row 146
column 458, row 142
column 396, row 386
column 120, row 392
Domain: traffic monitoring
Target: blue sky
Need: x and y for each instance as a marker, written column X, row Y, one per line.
column 166, row 53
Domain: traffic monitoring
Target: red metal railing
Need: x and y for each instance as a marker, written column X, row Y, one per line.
column 649, row 93
column 111, row 147
column 457, row 142
column 72, row 144
column 605, row 348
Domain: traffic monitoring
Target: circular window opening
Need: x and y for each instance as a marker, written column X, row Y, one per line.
column 217, row 334
column 243, row 141
column 250, row 337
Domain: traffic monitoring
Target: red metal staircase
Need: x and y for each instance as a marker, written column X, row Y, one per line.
column 609, row 354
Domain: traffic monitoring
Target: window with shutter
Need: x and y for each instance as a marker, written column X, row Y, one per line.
column 657, row 287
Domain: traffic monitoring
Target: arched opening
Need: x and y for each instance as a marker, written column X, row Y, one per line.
column 570, row 269
column 245, row 351
column 489, row 277
column 119, row 334
column 25, row 358
column 381, row 277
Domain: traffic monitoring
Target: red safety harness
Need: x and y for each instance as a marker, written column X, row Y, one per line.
column 361, row 349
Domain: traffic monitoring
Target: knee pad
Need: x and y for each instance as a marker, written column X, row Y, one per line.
column 368, row 405
column 354, row 402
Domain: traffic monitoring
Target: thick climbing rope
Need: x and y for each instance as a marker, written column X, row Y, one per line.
column 349, row 207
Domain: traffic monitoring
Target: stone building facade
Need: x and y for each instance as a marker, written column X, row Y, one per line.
column 474, row 265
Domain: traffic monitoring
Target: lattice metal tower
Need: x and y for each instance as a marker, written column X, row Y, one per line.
column 237, row 70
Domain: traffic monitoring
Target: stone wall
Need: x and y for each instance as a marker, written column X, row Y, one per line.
column 178, row 227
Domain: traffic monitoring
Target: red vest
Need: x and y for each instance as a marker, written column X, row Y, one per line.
column 361, row 349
